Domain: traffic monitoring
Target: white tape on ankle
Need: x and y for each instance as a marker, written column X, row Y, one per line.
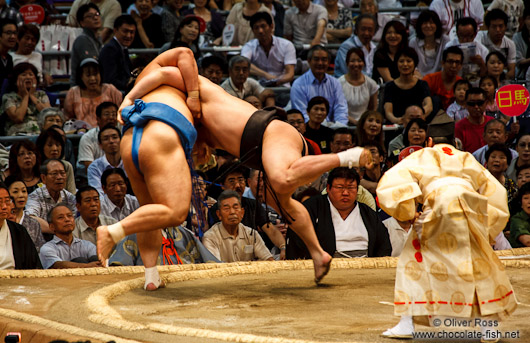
column 116, row 232
column 152, row 276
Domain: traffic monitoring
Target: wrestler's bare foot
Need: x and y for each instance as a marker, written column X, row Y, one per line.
column 321, row 263
column 104, row 244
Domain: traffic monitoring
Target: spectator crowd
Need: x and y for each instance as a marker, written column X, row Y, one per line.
column 346, row 74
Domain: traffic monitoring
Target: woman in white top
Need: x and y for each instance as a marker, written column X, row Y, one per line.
column 429, row 42
column 359, row 90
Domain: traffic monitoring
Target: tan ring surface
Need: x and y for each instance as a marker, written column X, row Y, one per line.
column 100, row 310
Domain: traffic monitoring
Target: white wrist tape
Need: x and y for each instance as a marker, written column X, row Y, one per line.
column 350, row 158
column 116, row 232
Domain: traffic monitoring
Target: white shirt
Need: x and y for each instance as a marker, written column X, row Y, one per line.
column 250, row 87
column 109, row 209
column 429, row 64
column 282, row 53
column 88, row 149
column 446, row 10
column 457, row 112
column 514, row 9
column 501, row 243
column 34, row 59
column 507, row 46
column 350, row 233
column 7, row 259
column 358, row 97
column 398, row 235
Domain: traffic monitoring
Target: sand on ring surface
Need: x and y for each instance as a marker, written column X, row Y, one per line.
column 242, row 302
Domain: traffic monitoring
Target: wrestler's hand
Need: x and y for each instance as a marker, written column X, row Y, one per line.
column 126, row 102
column 194, row 103
column 366, row 160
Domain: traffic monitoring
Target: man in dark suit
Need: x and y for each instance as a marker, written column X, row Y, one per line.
column 8, row 40
column 21, row 253
column 344, row 227
column 114, row 56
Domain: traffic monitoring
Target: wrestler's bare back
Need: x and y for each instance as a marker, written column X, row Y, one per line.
column 223, row 116
column 163, row 143
column 163, row 94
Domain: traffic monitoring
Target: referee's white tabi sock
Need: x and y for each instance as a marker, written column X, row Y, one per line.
column 404, row 329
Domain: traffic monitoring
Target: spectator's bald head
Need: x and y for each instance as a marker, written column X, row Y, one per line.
column 411, row 112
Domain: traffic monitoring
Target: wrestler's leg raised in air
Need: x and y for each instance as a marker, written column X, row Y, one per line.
column 163, row 187
column 284, row 183
column 224, row 117
column 287, row 170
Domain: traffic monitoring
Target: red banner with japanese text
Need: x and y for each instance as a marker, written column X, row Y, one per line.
column 512, row 100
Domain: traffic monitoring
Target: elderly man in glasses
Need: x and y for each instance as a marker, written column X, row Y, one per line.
column 470, row 129
column 43, row 199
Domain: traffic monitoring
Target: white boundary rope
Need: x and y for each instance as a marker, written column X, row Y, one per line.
column 102, row 313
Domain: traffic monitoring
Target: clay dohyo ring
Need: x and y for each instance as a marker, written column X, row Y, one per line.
column 101, row 312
